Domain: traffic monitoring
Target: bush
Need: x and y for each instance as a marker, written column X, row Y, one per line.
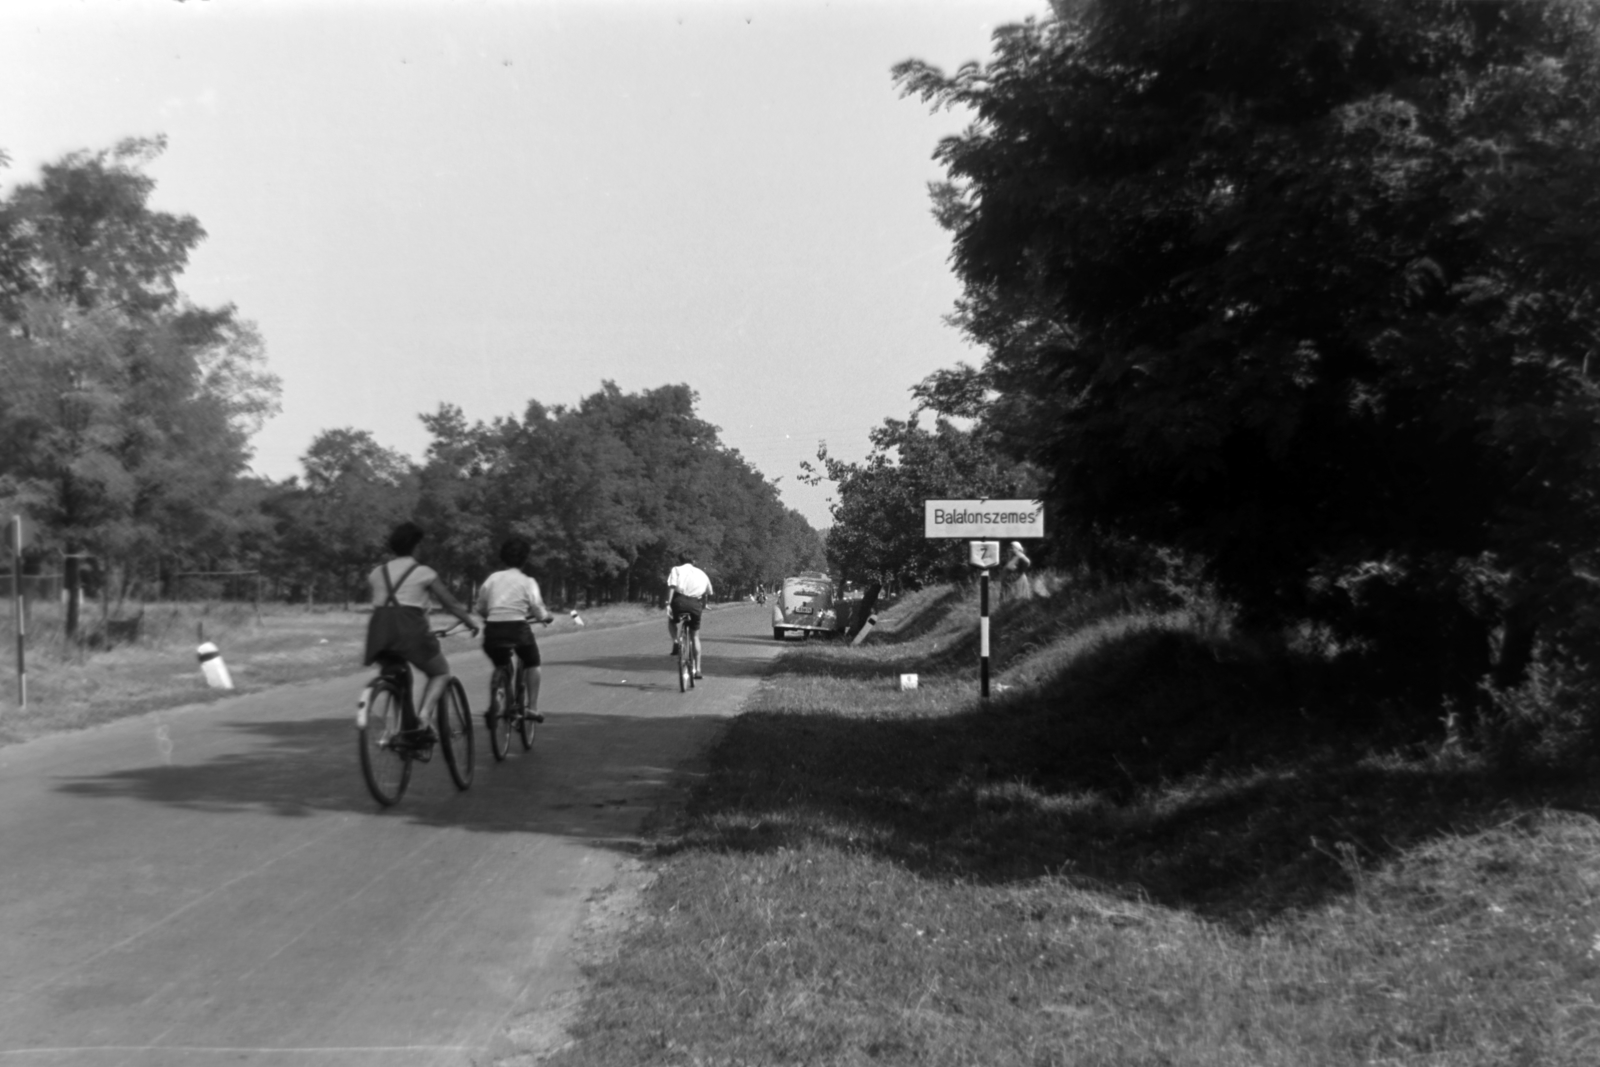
column 1551, row 720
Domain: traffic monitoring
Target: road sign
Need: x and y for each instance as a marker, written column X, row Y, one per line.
column 983, row 520
column 984, row 553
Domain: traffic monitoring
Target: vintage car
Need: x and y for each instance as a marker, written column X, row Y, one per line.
column 805, row 605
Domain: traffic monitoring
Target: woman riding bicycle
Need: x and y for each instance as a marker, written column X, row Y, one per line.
column 507, row 600
column 402, row 591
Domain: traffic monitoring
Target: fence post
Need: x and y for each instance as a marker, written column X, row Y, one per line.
column 15, row 535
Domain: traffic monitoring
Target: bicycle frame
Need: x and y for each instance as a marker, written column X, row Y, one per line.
column 387, row 752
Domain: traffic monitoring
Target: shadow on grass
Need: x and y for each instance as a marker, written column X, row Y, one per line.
column 915, row 618
column 942, row 637
column 1152, row 763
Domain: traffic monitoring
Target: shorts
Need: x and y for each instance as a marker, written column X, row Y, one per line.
column 402, row 634
column 500, row 639
column 691, row 606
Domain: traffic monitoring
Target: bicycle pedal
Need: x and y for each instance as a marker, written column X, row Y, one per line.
column 534, row 716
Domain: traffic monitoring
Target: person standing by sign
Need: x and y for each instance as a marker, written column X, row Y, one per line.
column 1016, row 572
column 687, row 589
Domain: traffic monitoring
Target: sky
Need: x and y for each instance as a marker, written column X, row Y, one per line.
column 483, row 202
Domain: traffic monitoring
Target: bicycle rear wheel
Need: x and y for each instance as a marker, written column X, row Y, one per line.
column 499, row 717
column 455, row 733
column 683, row 659
column 525, row 720
column 386, row 768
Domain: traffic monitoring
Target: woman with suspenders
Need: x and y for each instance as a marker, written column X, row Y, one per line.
column 402, row 590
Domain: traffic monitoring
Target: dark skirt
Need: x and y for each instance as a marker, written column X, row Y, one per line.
column 402, row 633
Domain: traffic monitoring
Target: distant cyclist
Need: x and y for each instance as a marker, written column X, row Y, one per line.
column 508, row 599
column 408, row 588
column 687, row 589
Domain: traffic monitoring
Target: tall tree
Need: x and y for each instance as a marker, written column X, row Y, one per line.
column 126, row 412
column 1304, row 289
column 85, row 233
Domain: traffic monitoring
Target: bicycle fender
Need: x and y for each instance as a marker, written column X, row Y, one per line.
column 362, row 702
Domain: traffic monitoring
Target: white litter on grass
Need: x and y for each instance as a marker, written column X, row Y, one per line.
column 908, row 682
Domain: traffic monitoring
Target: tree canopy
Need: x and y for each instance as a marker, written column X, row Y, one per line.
column 1305, row 290
column 125, row 411
column 126, row 414
column 607, row 492
column 877, row 531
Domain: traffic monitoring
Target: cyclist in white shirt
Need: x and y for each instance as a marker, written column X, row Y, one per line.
column 687, row 589
column 507, row 600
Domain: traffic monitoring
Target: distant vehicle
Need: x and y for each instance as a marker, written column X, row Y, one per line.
column 805, row 605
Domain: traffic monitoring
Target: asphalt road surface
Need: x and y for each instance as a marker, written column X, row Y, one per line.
column 213, row 884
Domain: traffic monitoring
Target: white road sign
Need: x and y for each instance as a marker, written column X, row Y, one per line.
column 983, row 520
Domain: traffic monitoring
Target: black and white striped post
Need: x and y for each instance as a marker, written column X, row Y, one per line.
column 983, row 555
column 983, row 634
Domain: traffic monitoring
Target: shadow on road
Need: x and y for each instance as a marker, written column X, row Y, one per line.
column 714, row 665
column 589, row 777
column 767, row 640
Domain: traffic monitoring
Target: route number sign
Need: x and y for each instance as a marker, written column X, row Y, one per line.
column 983, row 520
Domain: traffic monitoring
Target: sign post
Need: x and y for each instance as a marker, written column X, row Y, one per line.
column 982, row 522
column 18, row 534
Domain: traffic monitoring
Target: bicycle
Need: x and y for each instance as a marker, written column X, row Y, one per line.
column 688, row 658
column 508, row 706
column 389, row 747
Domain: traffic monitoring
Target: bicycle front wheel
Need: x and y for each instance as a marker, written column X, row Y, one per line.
column 526, row 725
column 386, row 768
column 499, row 717
column 455, row 733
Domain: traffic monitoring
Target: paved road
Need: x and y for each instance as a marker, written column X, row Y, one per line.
column 214, row 885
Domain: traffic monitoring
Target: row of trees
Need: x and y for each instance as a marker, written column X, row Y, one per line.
column 608, row 492
column 1305, row 292
column 126, row 414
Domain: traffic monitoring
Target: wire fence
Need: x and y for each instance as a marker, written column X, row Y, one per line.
column 34, row 586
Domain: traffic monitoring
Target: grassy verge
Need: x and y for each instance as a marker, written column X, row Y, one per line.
column 71, row 687
column 1159, row 845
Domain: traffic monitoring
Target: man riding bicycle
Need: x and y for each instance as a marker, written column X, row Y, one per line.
column 507, row 600
column 687, row 589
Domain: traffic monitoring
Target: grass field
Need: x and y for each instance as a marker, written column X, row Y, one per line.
column 71, row 686
column 1158, row 845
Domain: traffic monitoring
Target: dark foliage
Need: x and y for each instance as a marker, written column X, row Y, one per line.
column 1304, row 290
